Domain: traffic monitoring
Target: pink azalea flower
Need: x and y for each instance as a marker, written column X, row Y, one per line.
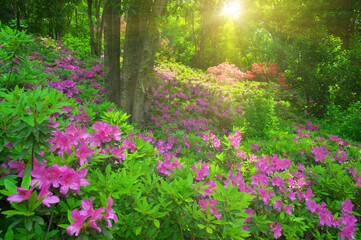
column 291, row 195
column 278, row 181
column 18, row 166
column 214, row 211
column 217, row 142
column 54, row 173
column 347, row 232
column 129, row 145
column 40, row 176
column 83, row 152
column 22, row 195
column 265, row 195
column 347, row 206
column 73, row 180
column 258, row 179
column 202, row 171
column 278, row 205
column 249, row 211
column 349, row 220
column 88, row 211
column 63, row 142
column 336, row 222
column 163, row 167
column 87, row 206
column 276, row 229
column 48, row 196
column 105, row 133
column 319, row 154
column 208, row 191
column 235, row 141
column 241, row 154
column 288, row 209
column 312, row 206
column 326, row 217
column 96, row 216
column 77, row 225
column 77, row 132
column 110, row 213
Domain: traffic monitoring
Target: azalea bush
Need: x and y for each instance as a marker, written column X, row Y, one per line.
column 218, row 159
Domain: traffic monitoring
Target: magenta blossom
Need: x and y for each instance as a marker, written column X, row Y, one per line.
column 278, row 205
column 347, row 206
column 18, row 166
column 110, row 213
column 73, row 180
column 214, row 211
column 201, row 171
column 89, row 211
column 276, row 229
column 77, row 225
column 22, row 195
column 83, row 152
column 288, row 209
column 48, row 196
column 347, row 232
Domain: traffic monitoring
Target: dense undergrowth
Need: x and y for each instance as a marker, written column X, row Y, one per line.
column 225, row 155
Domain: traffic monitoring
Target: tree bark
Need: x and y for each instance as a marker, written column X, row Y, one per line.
column 91, row 27
column 98, row 28
column 112, row 51
column 141, row 40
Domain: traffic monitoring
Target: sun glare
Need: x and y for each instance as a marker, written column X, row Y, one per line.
column 232, row 9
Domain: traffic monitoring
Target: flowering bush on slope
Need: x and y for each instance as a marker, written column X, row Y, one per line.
column 198, row 172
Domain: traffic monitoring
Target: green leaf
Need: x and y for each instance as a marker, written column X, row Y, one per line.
column 39, row 220
column 9, row 234
column 189, row 179
column 139, row 229
column 14, row 212
column 28, row 224
column 38, row 231
column 282, row 215
column 63, row 225
column 209, row 230
column 23, row 153
column 37, row 148
column 33, row 203
column 19, row 206
column 108, row 170
column 156, row 223
column 71, row 220
column 10, row 186
column 26, row 181
column 201, row 226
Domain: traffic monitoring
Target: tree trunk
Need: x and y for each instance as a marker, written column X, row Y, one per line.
column 97, row 28
column 112, row 51
column 141, row 39
column 91, row 27
column 100, row 33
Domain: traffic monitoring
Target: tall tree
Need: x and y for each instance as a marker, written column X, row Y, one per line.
column 96, row 32
column 141, row 38
column 112, row 50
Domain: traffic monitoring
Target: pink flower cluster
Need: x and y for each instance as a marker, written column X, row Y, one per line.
column 45, row 177
column 201, row 169
column 88, row 216
column 77, row 136
column 236, row 139
column 63, row 177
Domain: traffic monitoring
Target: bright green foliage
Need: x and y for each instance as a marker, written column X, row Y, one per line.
column 13, row 55
column 25, row 120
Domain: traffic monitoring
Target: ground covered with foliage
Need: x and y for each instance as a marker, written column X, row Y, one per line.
column 225, row 155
